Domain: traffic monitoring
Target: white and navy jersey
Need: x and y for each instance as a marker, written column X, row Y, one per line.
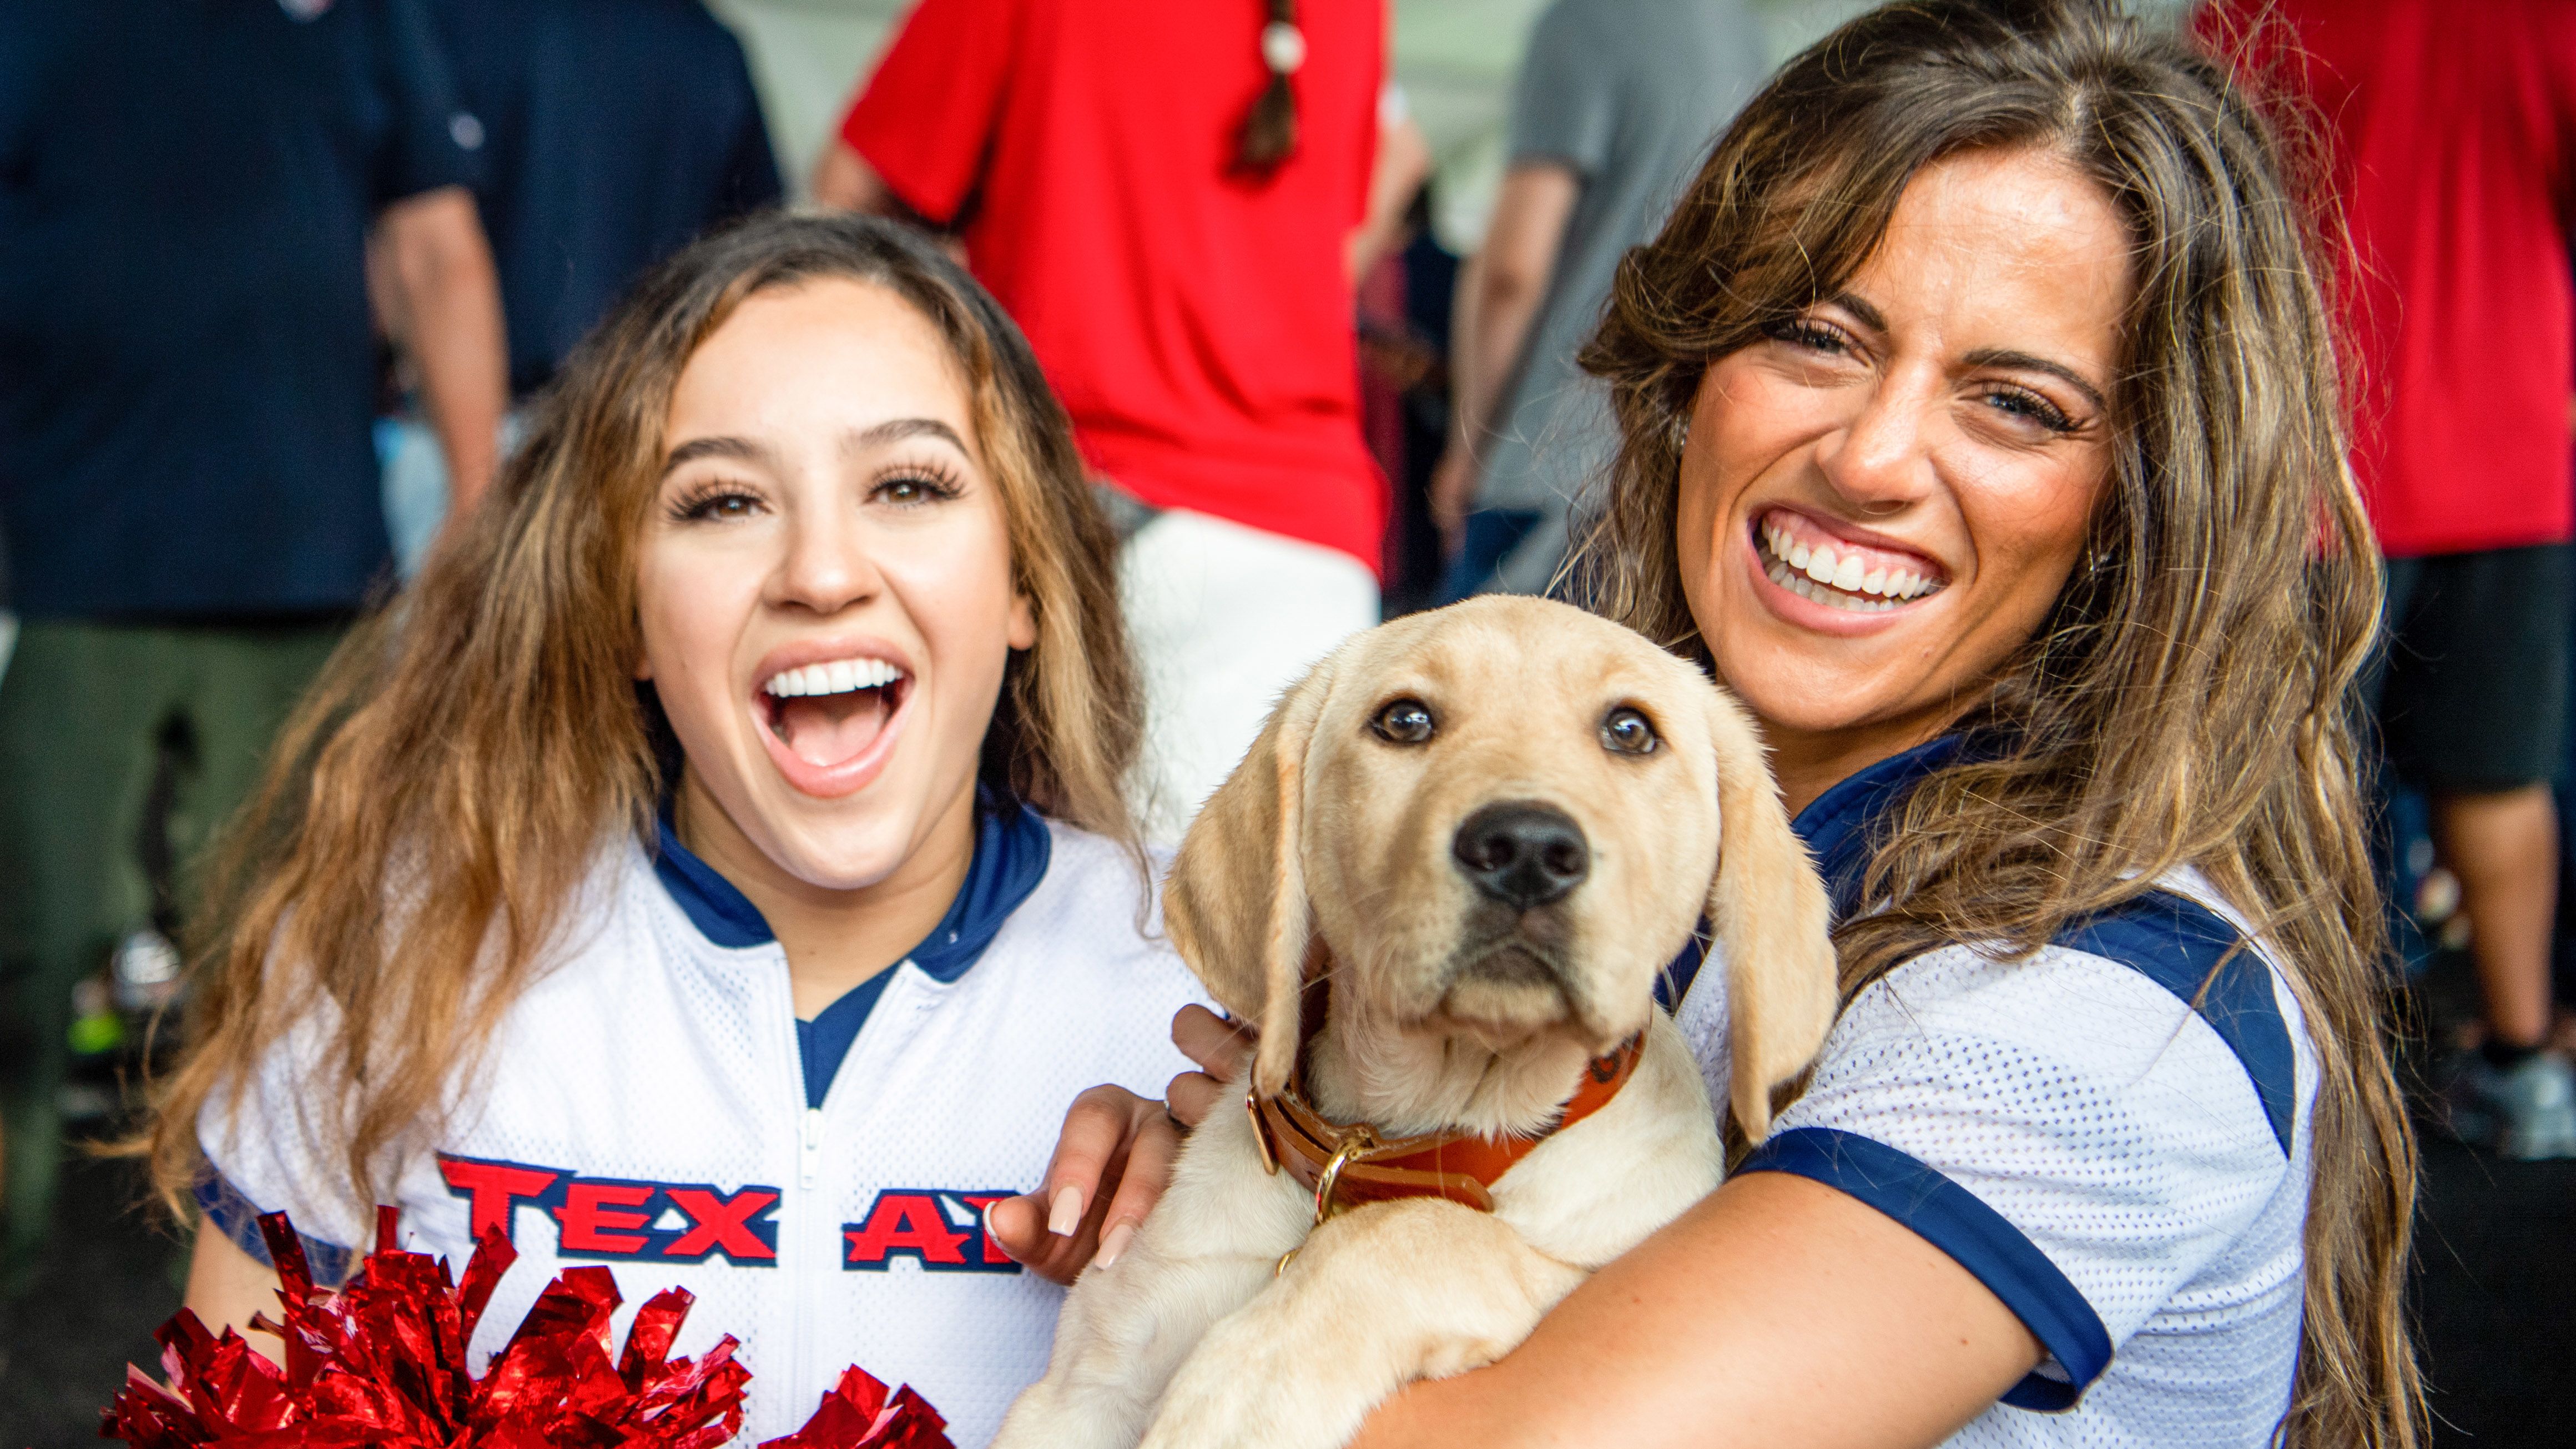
column 653, row 1104
column 2112, row 1135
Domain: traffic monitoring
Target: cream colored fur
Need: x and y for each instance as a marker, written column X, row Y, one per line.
column 1331, row 847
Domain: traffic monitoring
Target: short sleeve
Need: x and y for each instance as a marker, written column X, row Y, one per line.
column 2067, row 1127
column 431, row 140
column 268, row 1150
column 925, row 117
column 1565, row 105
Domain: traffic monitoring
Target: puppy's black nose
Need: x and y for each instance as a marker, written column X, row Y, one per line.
column 1522, row 854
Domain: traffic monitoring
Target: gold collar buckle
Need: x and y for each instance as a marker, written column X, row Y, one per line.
column 1359, row 1139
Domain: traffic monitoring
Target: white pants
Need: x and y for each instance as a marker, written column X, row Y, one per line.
column 1223, row 618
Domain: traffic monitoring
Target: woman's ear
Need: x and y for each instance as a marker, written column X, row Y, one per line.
column 1770, row 910
column 1236, row 903
column 1024, row 622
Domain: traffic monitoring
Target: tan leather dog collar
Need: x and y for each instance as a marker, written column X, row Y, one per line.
column 1346, row 1165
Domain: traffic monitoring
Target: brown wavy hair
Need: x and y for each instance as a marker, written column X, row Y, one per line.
column 2185, row 703
column 469, row 751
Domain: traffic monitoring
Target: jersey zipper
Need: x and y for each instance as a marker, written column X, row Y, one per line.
column 798, row 1232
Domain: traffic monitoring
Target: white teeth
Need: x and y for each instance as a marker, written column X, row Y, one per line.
column 1842, row 582
column 839, row 676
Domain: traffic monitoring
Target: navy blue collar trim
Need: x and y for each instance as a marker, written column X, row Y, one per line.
column 1835, row 828
column 1012, row 848
column 1836, row 824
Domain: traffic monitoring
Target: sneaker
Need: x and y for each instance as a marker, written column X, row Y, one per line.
column 2527, row 1114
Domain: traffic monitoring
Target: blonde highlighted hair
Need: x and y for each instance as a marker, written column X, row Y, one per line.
column 435, row 802
column 2186, row 702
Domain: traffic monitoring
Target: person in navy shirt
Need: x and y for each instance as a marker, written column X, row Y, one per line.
column 613, row 133
column 189, row 493
column 1978, row 432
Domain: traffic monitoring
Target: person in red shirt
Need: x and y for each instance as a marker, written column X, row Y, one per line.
column 2448, row 136
column 1164, row 195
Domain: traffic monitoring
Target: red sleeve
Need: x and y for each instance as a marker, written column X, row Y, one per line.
column 924, row 118
column 1375, row 130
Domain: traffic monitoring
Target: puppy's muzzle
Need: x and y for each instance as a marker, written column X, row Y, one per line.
column 1522, row 854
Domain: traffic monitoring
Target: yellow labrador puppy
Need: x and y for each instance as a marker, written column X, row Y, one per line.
column 1442, row 883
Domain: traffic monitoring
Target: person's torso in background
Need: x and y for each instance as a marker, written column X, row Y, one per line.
column 186, row 367
column 615, row 131
column 1197, row 322
column 1627, row 94
column 2449, row 126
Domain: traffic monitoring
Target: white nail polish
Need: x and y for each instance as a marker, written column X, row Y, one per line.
column 1115, row 1243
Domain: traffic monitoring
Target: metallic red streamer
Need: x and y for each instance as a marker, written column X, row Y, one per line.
column 381, row 1361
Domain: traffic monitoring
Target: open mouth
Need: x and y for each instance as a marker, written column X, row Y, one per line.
column 828, row 714
column 1807, row 561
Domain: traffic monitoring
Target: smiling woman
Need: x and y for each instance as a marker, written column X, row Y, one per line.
column 1980, row 431
column 719, row 857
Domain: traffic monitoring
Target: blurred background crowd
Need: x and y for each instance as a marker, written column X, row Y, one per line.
column 278, row 276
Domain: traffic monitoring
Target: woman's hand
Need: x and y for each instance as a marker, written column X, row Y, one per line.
column 1115, row 1155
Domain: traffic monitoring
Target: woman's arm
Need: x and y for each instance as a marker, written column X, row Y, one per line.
column 226, row 1286
column 1777, row 1311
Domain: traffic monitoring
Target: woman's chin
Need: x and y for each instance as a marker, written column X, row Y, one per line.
column 853, row 858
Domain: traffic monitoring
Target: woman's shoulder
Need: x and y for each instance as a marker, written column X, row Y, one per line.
column 1100, row 905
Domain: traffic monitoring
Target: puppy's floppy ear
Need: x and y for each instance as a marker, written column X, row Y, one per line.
column 1236, row 903
column 1770, row 909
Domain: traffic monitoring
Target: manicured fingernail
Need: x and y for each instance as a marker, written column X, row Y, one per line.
column 1114, row 1242
column 1066, row 1213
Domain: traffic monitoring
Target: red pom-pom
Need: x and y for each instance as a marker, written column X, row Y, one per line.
column 382, row 1362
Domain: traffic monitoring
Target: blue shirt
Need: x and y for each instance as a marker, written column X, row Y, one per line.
column 615, row 131
column 187, row 366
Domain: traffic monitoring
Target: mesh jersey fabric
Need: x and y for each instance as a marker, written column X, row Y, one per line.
column 1195, row 321
column 642, row 1097
column 2094, row 1148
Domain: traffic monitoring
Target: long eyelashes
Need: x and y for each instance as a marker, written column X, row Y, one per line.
column 714, row 498
column 904, row 485
column 913, row 484
column 2023, row 403
column 2010, row 399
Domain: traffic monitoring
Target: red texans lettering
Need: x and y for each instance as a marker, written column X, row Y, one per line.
column 601, row 1217
column 939, row 1228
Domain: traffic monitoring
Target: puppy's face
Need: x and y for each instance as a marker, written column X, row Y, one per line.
column 1500, row 819
column 1510, row 824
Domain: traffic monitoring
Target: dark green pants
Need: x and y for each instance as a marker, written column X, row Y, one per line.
column 88, row 713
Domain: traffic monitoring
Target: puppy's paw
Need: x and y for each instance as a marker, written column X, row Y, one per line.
column 1256, row 1383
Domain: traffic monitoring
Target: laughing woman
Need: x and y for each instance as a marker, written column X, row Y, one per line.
column 717, row 868
column 1981, row 433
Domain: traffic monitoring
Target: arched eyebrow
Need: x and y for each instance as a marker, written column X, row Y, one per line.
column 2027, row 362
column 895, row 430
column 740, row 450
column 745, row 450
column 1876, row 321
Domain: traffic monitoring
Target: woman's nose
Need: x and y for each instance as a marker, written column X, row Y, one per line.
column 1882, row 456
column 828, row 565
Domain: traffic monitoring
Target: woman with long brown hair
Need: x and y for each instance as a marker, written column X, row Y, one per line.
column 718, row 861
column 1981, row 433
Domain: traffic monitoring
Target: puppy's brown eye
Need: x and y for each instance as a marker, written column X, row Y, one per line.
column 1626, row 732
column 1405, row 722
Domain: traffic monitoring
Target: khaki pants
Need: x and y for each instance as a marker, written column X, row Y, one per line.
column 87, row 712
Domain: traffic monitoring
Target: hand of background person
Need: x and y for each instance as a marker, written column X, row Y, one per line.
column 1453, row 493
column 1114, row 1157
